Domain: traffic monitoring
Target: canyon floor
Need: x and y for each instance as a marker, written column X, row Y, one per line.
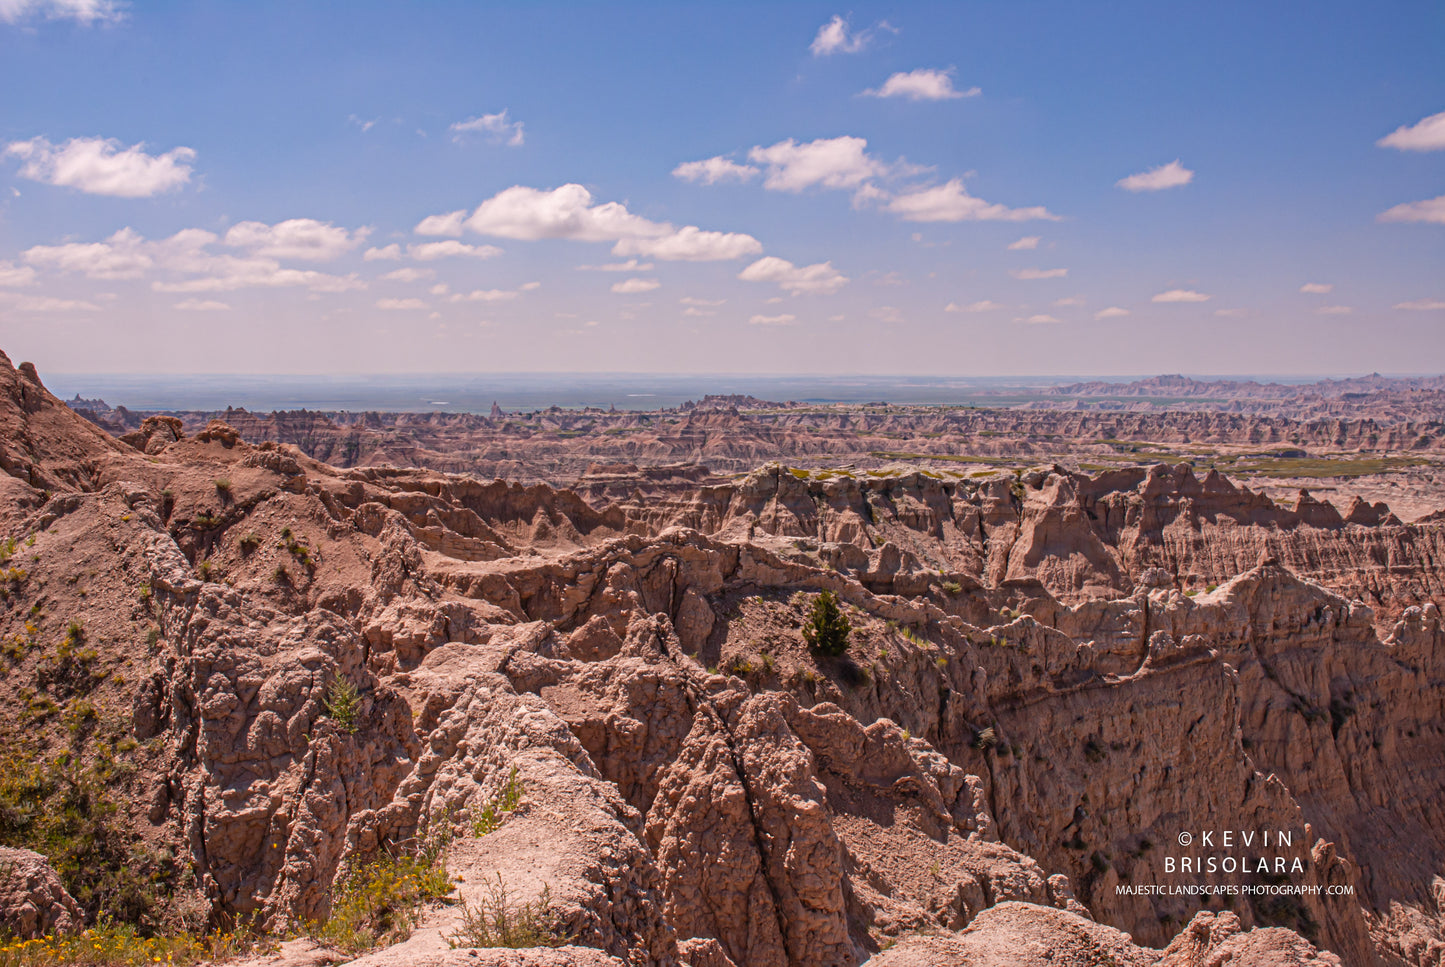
column 558, row 659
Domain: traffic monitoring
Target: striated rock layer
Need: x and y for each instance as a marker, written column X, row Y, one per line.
column 1050, row 679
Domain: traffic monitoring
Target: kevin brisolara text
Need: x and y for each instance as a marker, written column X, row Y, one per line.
column 1232, row 889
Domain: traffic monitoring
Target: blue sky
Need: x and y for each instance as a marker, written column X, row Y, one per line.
column 976, row 189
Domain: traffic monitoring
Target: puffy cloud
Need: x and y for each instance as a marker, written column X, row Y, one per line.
column 389, row 253
column 691, row 244
column 401, row 304
column 1026, row 244
column 695, row 311
column 1180, row 295
column 688, row 300
column 101, row 166
column 1427, row 134
column 1071, row 300
column 1037, row 320
column 121, row 256
column 303, row 239
column 984, row 306
column 498, row 128
column 1113, row 312
column 1172, row 175
column 81, row 11
column 841, row 162
column 634, row 286
column 201, row 305
column 1031, row 274
column 1422, row 305
column 785, row 319
column 713, row 170
column 836, row 37
column 631, row 265
column 951, row 202
column 924, row 84
column 1335, row 310
column 819, row 279
column 1317, row 288
column 14, row 275
column 430, row 251
column 569, row 212
column 1431, row 210
column 449, row 224
column 566, row 212
column 408, row 274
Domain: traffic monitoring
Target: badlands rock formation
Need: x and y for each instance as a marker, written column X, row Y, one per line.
column 1051, row 678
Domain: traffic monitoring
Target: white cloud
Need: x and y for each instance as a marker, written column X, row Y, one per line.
column 1113, row 312
column 81, row 11
column 408, row 274
column 485, row 295
column 1317, row 288
column 1037, row 320
column 1030, row 274
column 819, row 279
column 695, row 311
column 713, row 170
column 835, row 37
column 691, row 244
column 1335, row 310
column 631, row 265
column 841, row 162
column 15, row 275
column 430, row 251
column 441, row 288
column 449, row 224
column 889, row 314
column 498, row 127
column 634, row 286
column 1427, row 134
column 566, row 212
column 1422, row 305
column 401, row 304
column 529, row 286
column 1431, row 210
column 389, row 253
column 1172, row 175
column 1180, row 295
column 785, row 319
column 296, row 238
column 951, row 202
column 121, row 256
column 101, row 166
column 688, row 300
column 365, row 125
column 201, row 305
column 984, row 306
column 1072, row 300
column 924, row 84
column 1026, row 244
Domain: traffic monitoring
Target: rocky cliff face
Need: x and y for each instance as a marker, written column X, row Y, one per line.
column 1051, row 678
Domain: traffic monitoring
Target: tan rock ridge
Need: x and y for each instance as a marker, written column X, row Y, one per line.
column 1032, row 708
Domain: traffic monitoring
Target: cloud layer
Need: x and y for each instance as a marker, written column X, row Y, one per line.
column 101, row 166
column 1172, row 175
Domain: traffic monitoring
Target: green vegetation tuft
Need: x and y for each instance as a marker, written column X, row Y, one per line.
column 827, row 629
column 494, row 813
column 499, row 920
column 343, row 704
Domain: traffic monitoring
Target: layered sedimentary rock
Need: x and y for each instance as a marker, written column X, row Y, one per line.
column 1050, row 678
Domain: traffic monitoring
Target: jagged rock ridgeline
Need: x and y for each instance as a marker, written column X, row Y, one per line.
column 1049, row 679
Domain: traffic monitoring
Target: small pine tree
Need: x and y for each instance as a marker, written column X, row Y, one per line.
column 827, row 628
